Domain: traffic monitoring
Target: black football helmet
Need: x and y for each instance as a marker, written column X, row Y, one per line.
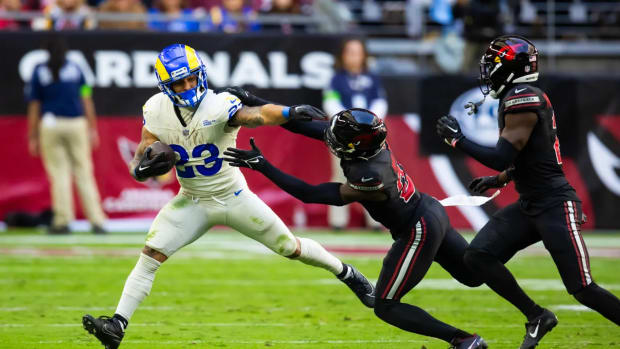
column 355, row 133
column 510, row 59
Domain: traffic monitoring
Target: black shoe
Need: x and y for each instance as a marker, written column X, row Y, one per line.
column 98, row 230
column 537, row 328
column 59, row 230
column 358, row 283
column 473, row 342
column 108, row 330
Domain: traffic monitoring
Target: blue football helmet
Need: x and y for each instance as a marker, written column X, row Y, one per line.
column 177, row 62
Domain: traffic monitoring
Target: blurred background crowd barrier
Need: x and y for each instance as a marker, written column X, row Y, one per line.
column 583, row 86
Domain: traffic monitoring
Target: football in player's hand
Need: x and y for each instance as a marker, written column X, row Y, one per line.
column 168, row 155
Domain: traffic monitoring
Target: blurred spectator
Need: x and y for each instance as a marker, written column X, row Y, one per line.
column 233, row 16
column 66, row 15
column 481, row 22
column 283, row 7
column 352, row 86
column 10, row 6
column 414, row 18
column 122, row 6
column 578, row 12
column 62, row 128
column 181, row 18
column 527, row 12
column 336, row 16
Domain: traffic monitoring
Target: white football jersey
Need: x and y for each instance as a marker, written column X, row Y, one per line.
column 200, row 143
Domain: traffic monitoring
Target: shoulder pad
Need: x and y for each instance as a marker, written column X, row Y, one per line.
column 523, row 97
column 152, row 107
column 362, row 176
column 222, row 106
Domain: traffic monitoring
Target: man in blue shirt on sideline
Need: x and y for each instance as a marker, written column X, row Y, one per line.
column 352, row 86
column 62, row 129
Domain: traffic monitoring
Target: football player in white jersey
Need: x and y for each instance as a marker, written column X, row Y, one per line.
column 198, row 124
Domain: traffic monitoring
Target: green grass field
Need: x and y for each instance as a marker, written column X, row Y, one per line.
column 225, row 291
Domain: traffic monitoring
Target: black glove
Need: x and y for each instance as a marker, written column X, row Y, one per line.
column 305, row 112
column 156, row 166
column 246, row 97
column 246, row 158
column 482, row 184
column 448, row 128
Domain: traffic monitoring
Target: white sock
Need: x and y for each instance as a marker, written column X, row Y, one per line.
column 312, row 253
column 137, row 286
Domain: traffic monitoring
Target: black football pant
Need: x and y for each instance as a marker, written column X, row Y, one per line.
column 404, row 266
column 509, row 230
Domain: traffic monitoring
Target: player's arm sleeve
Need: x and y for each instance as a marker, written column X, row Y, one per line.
column 498, row 158
column 521, row 99
column 326, row 193
column 314, row 129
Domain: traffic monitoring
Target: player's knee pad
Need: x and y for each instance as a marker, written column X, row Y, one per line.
column 586, row 294
column 383, row 306
column 286, row 245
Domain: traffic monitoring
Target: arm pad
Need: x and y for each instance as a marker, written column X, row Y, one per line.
column 326, row 193
column 314, row 129
column 498, row 158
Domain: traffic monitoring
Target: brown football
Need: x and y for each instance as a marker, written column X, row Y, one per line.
column 169, row 154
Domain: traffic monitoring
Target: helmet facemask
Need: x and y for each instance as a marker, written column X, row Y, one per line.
column 189, row 98
column 486, row 85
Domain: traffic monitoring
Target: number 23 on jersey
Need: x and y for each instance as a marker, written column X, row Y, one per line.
column 212, row 164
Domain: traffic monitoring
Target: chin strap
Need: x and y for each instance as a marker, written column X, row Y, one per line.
column 473, row 106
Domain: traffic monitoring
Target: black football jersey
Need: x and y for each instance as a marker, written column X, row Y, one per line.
column 383, row 172
column 538, row 176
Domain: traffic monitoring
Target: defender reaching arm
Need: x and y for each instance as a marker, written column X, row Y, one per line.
column 314, row 129
column 336, row 194
column 272, row 114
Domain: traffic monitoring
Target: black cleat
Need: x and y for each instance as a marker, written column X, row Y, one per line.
column 473, row 342
column 109, row 331
column 98, row 230
column 537, row 328
column 358, row 283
